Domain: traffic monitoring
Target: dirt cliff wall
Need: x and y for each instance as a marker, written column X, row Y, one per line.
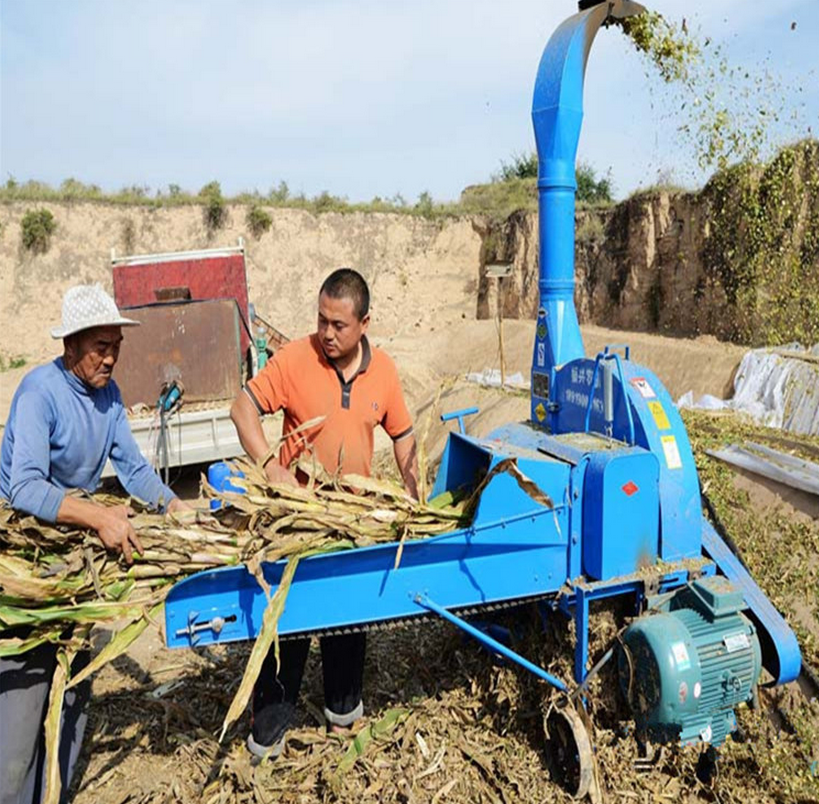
column 423, row 273
column 739, row 260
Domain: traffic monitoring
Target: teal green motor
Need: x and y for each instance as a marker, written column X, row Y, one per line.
column 686, row 664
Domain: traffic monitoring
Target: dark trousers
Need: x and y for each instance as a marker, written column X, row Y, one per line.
column 25, row 683
column 275, row 696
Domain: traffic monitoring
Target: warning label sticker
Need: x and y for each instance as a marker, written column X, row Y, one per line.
column 645, row 390
column 540, row 412
column 660, row 419
column 681, row 655
column 672, row 452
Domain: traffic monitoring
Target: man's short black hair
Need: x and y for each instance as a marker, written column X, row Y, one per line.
column 345, row 283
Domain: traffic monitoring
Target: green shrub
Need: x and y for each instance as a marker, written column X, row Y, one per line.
column 258, row 221
column 37, row 225
column 11, row 363
column 135, row 192
column 215, row 212
column 591, row 189
column 279, row 194
column 73, row 188
column 424, row 205
column 499, row 199
column 327, row 202
column 522, row 166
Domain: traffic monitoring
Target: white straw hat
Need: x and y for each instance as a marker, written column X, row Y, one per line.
column 86, row 306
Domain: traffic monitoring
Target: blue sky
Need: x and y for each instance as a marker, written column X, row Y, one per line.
column 356, row 97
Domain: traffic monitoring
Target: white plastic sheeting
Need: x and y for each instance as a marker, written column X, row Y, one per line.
column 777, row 387
column 491, row 378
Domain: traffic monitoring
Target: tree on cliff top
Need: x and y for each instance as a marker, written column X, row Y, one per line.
column 590, row 188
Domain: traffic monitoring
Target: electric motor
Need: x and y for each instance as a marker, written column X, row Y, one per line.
column 685, row 665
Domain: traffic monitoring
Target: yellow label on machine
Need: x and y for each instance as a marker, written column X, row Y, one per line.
column 540, row 412
column 660, row 419
column 672, row 452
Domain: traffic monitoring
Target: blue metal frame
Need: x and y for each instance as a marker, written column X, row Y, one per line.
column 459, row 415
column 557, row 115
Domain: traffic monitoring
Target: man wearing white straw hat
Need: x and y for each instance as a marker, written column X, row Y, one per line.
column 66, row 420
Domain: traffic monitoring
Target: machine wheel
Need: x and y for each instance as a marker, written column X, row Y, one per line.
column 570, row 752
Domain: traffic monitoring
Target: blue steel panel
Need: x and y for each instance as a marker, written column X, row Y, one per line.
column 503, row 498
column 518, row 435
column 680, row 514
column 576, row 517
column 516, row 548
column 463, row 463
column 621, row 512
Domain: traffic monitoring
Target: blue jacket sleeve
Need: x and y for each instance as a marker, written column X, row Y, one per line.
column 30, row 490
column 133, row 471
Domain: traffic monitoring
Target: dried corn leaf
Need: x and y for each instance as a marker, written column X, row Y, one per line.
column 267, row 636
column 119, row 643
column 53, row 719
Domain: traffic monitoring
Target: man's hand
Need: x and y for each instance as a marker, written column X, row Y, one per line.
column 276, row 473
column 111, row 524
column 124, row 512
column 116, row 532
column 176, row 506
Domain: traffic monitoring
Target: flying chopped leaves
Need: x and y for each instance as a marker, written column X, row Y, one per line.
column 729, row 113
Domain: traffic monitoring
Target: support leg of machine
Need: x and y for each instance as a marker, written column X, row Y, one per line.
column 581, row 624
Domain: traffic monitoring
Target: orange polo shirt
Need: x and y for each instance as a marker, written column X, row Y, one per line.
column 300, row 380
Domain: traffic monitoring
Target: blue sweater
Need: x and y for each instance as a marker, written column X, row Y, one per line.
column 58, row 436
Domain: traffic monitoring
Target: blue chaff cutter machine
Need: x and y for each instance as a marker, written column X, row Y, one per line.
column 607, row 445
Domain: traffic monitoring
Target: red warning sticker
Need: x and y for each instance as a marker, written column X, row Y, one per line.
column 630, row 488
column 645, row 390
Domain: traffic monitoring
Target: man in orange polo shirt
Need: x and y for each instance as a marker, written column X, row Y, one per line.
column 337, row 374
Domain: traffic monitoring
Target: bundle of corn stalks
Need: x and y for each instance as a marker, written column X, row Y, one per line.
column 53, row 576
